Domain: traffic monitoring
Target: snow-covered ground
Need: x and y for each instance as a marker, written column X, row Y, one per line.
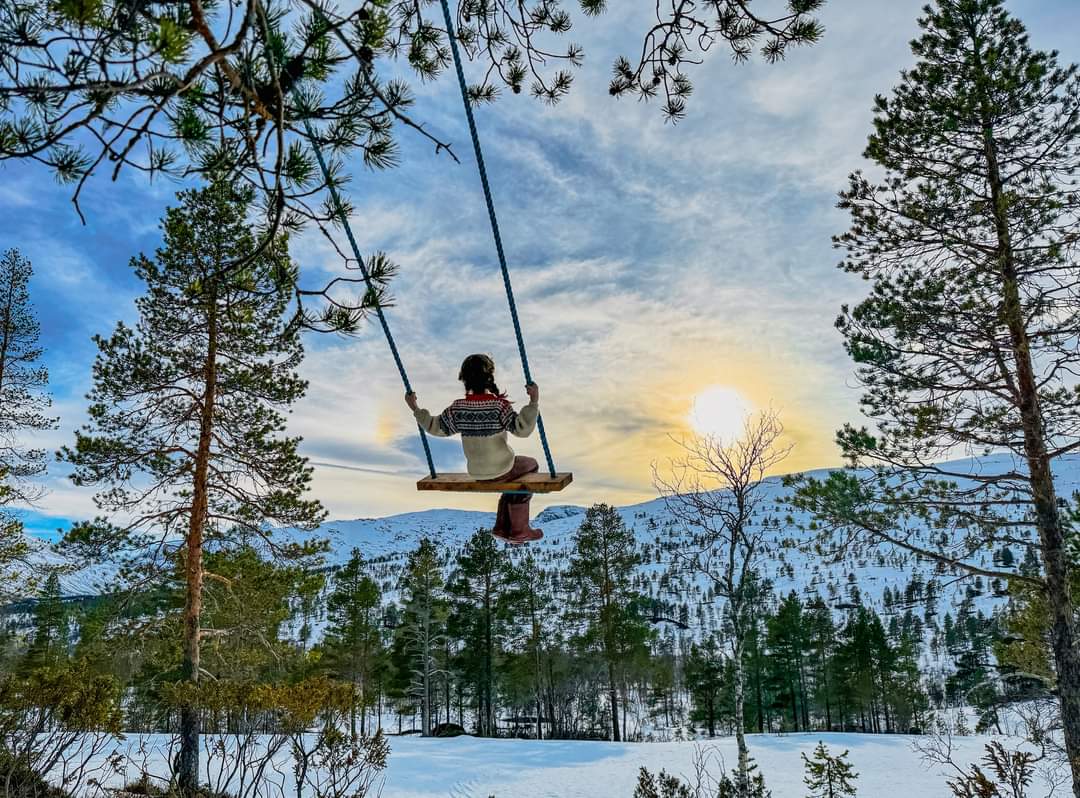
column 467, row 767
column 472, row 768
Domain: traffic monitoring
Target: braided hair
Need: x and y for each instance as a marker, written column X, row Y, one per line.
column 478, row 374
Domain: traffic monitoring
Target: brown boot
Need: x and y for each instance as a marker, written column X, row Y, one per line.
column 520, row 531
column 501, row 530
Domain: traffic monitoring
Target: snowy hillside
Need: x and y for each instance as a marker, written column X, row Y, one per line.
column 388, row 540
column 385, row 542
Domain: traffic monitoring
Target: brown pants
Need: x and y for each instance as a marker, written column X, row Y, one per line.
column 522, row 466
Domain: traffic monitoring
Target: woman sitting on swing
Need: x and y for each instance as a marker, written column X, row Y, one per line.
column 482, row 419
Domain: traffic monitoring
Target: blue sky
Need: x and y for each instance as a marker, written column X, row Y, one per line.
column 651, row 262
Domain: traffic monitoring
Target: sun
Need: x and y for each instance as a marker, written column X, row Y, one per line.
column 719, row 411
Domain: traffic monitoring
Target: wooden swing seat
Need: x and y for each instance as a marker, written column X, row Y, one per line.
column 465, row 483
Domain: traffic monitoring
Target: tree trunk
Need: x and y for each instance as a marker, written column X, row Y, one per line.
column 614, row 699
column 742, row 788
column 1064, row 638
column 352, row 714
column 425, row 703
column 188, row 759
column 538, row 685
column 803, row 697
column 363, row 708
column 885, row 701
column 759, row 697
column 489, row 713
column 5, row 327
column 448, row 703
column 625, row 698
column 556, row 722
column 828, row 701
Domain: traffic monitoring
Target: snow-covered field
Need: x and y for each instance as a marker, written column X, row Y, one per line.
column 467, row 767
column 472, row 768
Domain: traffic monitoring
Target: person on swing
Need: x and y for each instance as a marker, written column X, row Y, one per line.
column 482, row 419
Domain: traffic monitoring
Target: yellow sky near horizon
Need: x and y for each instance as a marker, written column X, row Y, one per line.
column 610, row 433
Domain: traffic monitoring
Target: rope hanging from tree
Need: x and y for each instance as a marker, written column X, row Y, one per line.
column 494, row 223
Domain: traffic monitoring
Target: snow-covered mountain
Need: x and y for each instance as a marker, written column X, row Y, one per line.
column 385, row 542
column 792, row 568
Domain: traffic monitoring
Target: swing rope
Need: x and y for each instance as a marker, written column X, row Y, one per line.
column 494, row 224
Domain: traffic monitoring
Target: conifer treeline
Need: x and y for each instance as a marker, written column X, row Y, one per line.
column 489, row 641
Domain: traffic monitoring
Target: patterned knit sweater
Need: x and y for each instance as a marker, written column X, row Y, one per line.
column 482, row 420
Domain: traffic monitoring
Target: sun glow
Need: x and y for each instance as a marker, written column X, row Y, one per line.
column 719, row 411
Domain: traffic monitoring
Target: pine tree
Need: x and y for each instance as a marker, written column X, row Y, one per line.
column 52, row 638
column 252, row 603
column 353, row 646
column 24, row 400
column 423, row 627
column 661, row 785
column 968, row 339
column 828, row 776
column 705, row 681
column 600, row 577
column 858, row 671
column 757, row 703
column 738, row 785
column 532, row 605
column 330, row 51
column 23, row 404
column 660, row 672
column 479, row 618
column 14, row 575
column 821, row 640
column 884, row 659
column 905, row 690
column 787, row 643
column 251, row 610
column 1026, row 649
column 185, row 433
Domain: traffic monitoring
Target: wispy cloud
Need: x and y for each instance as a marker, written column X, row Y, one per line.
column 649, row 261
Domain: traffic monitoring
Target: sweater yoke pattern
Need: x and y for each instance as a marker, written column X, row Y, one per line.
column 478, row 417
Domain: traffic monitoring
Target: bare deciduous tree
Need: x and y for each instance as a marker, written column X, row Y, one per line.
column 713, row 490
